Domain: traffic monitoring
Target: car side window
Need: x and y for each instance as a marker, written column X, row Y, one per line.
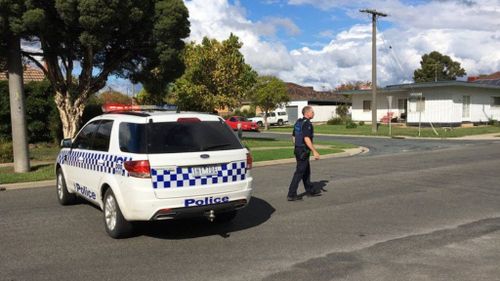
column 84, row 139
column 233, row 119
column 102, row 136
column 272, row 114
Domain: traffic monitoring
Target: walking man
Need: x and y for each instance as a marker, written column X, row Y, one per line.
column 303, row 133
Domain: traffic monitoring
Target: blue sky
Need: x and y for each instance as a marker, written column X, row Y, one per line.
column 324, row 43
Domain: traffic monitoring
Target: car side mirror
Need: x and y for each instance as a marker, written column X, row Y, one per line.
column 66, row 143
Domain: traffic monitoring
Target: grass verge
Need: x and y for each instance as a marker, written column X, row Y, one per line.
column 37, row 173
column 285, row 153
column 383, row 130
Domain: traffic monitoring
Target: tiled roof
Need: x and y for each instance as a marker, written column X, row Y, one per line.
column 492, row 79
column 30, row 74
column 297, row 92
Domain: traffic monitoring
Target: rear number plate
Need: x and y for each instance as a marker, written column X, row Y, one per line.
column 205, row 171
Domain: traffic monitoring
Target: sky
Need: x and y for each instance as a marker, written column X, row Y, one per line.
column 324, row 43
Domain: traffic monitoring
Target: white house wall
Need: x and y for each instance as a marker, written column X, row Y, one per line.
column 382, row 106
column 443, row 105
column 323, row 113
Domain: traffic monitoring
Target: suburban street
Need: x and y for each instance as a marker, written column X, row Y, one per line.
column 406, row 210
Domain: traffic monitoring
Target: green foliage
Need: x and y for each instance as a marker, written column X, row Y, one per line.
column 361, row 123
column 349, row 124
column 6, row 155
column 140, row 40
column 342, row 111
column 216, row 76
column 42, row 118
column 269, row 93
column 335, row 121
column 435, row 66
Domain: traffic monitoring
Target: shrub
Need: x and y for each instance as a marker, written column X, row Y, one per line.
column 349, row 124
column 342, row 111
column 335, row 121
column 361, row 123
column 6, row 152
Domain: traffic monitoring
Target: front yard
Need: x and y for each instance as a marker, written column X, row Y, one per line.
column 383, row 130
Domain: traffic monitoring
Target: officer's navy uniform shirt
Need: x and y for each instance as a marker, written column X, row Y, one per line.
column 302, row 128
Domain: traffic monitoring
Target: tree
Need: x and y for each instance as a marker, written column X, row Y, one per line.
column 268, row 94
column 354, row 85
column 136, row 39
column 112, row 96
column 11, row 31
column 216, row 76
column 437, row 67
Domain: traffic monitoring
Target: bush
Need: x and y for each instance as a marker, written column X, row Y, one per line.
column 493, row 122
column 335, row 121
column 349, row 124
column 6, row 155
column 361, row 123
column 342, row 111
column 42, row 117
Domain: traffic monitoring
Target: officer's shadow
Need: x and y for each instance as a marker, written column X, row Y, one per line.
column 317, row 186
column 257, row 212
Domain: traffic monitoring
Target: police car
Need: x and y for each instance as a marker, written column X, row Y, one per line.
column 143, row 164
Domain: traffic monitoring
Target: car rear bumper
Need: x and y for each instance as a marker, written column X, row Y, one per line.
column 142, row 205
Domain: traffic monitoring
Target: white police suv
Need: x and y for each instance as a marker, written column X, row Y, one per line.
column 139, row 164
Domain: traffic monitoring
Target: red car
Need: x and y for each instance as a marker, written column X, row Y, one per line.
column 245, row 124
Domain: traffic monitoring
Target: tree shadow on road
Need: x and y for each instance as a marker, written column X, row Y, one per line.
column 257, row 212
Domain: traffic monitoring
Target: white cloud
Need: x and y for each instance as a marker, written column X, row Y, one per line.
column 467, row 31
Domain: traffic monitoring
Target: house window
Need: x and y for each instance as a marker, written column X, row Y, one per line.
column 367, row 105
column 421, row 104
column 496, row 101
column 401, row 104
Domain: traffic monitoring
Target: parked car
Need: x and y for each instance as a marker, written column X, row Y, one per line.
column 146, row 165
column 246, row 125
column 274, row 118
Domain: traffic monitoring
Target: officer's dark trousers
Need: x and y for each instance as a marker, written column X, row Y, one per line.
column 302, row 172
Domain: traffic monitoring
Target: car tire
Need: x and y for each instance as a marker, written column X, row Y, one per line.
column 280, row 122
column 63, row 195
column 114, row 222
column 260, row 124
column 225, row 217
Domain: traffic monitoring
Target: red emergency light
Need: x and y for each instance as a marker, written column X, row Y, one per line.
column 114, row 107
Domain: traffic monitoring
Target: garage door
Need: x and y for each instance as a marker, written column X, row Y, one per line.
column 293, row 114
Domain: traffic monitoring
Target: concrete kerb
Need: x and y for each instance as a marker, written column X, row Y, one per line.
column 52, row 183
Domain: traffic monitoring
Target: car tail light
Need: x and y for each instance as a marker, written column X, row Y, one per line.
column 188, row 120
column 138, row 169
column 249, row 161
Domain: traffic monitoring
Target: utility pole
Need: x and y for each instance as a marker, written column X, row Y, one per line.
column 17, row 107
column 374, row 14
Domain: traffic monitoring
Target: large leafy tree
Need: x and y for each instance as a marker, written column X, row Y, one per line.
column 216, row 76
column 437, row 67
column 136, row 39
column 268, row 94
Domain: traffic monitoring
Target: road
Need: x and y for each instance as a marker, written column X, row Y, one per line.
column 429, row 213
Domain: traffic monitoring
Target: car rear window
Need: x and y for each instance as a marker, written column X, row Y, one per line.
column 176, row 137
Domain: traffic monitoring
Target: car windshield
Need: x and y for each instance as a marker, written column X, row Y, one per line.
column 177, row 137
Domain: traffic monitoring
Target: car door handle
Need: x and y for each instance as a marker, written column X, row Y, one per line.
column 80, row 159
column 100, row 162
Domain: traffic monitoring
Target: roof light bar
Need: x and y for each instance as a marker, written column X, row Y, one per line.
column 117, row 107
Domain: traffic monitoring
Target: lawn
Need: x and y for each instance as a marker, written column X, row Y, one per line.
column 284, row 153
column 38, row 173
column 270, row 142
column 383, row 130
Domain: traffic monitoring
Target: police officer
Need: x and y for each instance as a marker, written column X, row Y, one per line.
column 303, row 133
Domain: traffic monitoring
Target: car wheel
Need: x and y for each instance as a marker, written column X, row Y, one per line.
column 63, row 195
column 226, row 216
column 280, row 122
column 260, row 123
column 116, row 225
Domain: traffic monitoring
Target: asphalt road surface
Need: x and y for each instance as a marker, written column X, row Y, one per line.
column 424, row 211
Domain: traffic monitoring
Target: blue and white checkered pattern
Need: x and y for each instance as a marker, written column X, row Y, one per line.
column 183, row 176
column 112, row 164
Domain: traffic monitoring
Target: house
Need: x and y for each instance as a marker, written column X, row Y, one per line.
column 324, row 103
column 30, row 74
column 442, row 103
